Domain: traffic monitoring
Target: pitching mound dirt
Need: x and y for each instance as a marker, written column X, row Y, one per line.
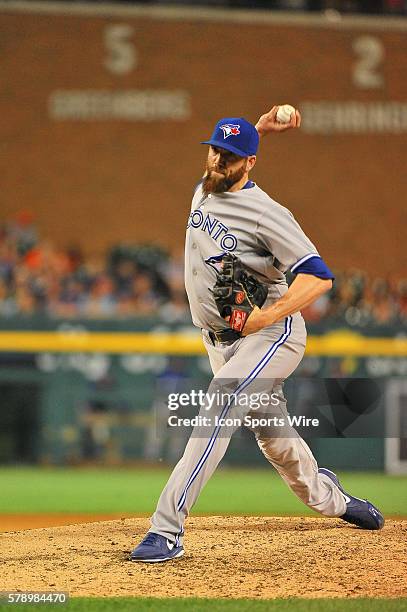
column 225, row 557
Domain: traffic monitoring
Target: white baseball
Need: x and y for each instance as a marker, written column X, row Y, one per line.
column 284, row 113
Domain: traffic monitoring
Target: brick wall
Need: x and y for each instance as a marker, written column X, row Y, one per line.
column 105, row 178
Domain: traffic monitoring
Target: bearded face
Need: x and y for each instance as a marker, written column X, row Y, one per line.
column 222, row 171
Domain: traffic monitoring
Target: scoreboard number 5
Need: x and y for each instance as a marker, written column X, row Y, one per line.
column 121, row 55
column 366, row 70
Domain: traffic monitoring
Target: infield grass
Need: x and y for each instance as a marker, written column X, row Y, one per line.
column 127, row 604
column 230, row 491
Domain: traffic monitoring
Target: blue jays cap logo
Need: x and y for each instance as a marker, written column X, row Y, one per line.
column 230, row 129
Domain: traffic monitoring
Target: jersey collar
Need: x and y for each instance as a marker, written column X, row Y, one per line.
column 248, row 185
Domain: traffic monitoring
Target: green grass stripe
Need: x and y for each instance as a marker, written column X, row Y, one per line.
column 127, row 604
column 136, row 490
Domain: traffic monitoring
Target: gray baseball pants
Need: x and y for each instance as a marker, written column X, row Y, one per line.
column 266, row 357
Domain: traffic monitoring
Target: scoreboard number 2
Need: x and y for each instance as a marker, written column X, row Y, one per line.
column 121, row 55
column 370, row 55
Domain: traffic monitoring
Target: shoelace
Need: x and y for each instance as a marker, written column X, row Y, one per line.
column 151, row 539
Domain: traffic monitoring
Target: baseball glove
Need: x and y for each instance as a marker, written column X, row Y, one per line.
column 236, row 292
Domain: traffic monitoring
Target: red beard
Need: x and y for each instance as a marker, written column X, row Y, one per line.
column 218, row 183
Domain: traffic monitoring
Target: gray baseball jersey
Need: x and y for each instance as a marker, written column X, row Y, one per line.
column 255, row 228
column 268, row 240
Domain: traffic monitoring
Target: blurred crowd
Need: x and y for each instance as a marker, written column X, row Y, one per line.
column 392, row 7
column 359, row 301
column 36, row 277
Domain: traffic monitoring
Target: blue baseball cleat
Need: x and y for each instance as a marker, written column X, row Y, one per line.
column 359, row 512
column 156, row 548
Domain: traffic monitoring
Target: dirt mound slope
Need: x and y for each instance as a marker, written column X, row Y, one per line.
column 255, row 557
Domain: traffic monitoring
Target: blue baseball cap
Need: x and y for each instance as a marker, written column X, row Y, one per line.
column 236, row 135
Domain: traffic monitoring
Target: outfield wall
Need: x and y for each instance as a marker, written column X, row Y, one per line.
column 70, row 398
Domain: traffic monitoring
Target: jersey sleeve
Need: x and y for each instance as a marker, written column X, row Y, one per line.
column 314, row 265
column 280, row 234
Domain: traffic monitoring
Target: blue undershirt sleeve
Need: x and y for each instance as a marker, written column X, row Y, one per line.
column 313, row 265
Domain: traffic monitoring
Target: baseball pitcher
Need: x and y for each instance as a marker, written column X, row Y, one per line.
column 239, row 245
